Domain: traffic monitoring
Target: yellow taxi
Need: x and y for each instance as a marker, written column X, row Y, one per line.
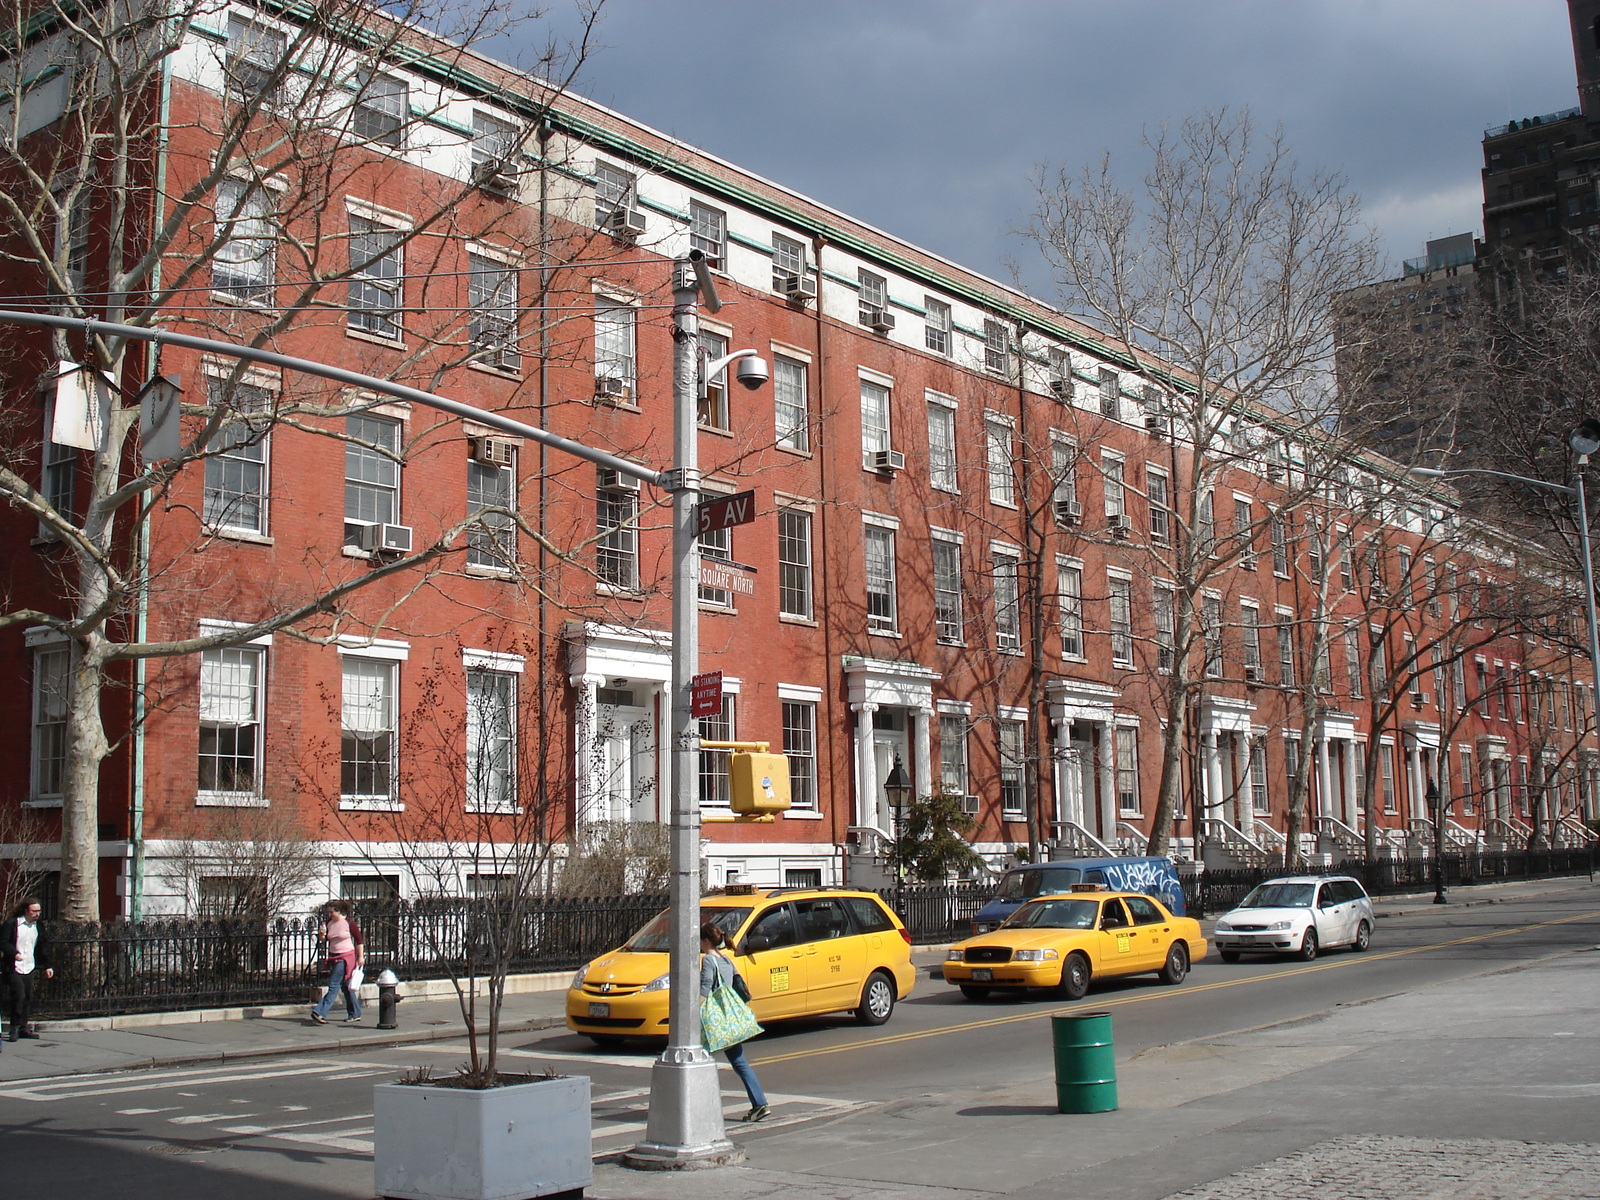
column 802, row 951
column 1064, row 941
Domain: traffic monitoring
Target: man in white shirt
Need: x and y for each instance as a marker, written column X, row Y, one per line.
column 24, row 955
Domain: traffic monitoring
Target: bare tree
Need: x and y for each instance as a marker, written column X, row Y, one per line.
column 1216, row 278
column 224, row 217
column 247, row 862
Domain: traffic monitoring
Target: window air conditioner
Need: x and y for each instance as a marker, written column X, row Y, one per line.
column 800, row 288
column 625, row 222
column 1118, row 524
column 495, row 176
column 881, row 321
column 386, row 539
column 1419, row 699
column 616, row 481
column 1069, row 512
column 969, row 804
column 610, row 387
column 1061, row 389
column 888, row 460
column 1252, row 674
column 497, row 452
column 1155, row 425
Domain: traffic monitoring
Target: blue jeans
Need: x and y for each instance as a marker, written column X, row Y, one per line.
column 746, row 1074
column 352, row 1000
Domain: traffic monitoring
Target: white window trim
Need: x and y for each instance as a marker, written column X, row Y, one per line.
column 800, row 693
column 881, row 520
column 374, row 647
column 493, row 660
column 944, row 401
column 953, row 708
column 877, row 377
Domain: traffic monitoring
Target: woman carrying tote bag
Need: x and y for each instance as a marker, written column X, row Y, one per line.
column 724, row 1016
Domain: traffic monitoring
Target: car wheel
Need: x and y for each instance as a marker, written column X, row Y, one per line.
column 972, row 992
column 1074, row 977
column 1308, row 945
column 877, row 1000
column 1363, row 937
column 606, row 1041
column 1228, row 955
column 1177, row 968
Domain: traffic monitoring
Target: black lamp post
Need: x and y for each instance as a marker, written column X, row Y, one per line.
column 1436, row 803
column 897, row 787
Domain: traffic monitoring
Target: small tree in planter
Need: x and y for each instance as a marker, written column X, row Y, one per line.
column 931, row 844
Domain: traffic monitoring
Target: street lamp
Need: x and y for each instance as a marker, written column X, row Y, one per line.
column 1585, row 441
column 897, row 787
column 1436, row 806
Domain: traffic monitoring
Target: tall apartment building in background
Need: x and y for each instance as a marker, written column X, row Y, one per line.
column 965, row 503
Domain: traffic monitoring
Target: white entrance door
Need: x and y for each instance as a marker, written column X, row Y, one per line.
column 625, row 750
column 886, row 744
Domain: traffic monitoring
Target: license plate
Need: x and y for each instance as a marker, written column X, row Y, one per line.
column 982, row 974
column 597, row 1009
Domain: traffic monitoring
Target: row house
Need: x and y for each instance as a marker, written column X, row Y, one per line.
column 980, row 524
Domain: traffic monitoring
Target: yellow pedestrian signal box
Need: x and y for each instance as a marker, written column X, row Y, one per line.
column 758, row 783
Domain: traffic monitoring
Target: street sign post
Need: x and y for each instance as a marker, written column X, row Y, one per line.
column 705, row 694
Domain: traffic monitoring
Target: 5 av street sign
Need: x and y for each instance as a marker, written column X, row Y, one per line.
column 724, row 512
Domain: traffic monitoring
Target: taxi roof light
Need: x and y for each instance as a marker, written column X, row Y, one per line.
column 1090, row 887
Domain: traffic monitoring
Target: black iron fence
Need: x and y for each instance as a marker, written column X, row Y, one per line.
column 938, row 912
column 173, row 965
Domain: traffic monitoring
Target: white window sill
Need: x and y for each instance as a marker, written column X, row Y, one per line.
column 615, row 589
column 44, row 802
column 512, row 373
column 947, row 641
column 230, row 800
column 377, row 339
column 500, row 810
column 1013, row 817
column 1011, row 504
column 239, row 535
column 797, row 451
column 370, row 804
column 231, row 301
column 1073, row 658
column 482, row 572
column 802, row 814
column 787, row 619
column 716, row 429
column 884, row 633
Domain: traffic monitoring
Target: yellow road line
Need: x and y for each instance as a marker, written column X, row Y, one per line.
column 1090, row 1003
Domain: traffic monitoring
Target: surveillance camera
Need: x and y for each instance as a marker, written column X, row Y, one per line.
column 752, row 372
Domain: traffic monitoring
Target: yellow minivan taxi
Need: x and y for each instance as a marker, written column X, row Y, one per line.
column 802, row 951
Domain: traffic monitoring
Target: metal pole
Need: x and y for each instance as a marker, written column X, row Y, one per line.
column 1588, row 606
column 685, row 1127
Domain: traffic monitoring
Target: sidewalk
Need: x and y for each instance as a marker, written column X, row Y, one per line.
column 185, row 1039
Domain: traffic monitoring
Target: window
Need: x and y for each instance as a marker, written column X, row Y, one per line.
column 1501, row 710
column 367, row 746
column 874, row 419
column 794, row 563
column 492, row 327
column 1379, row 664
column 1013, row 771
column 791, row 411
column 492, row 541
column 714, row 763
column 800, row 745
column 614, row 323
column 1347, row 558
column 1127, row 757
column 1069, row 590
column 1402, row 585
column 873, row 297
column 947, row 614
column 1352, row 662
column 881, row 611
column 1110, row 394
column 1160, row 518
column 1285, row 651
column 942, row 446
column 1250, row 640
column 375, row 278
column 1481, row 678
column 230, row 721
column 1060, row 372
column 1205, row 532
column 1007, row 611
column 617, row 552
column 1291, row 765
column 708, row 232
column 255, row 57
column 1115, row 493
column 1280, row 544
column 1259, row 801
column 245, row 263
column 1386, row 768
column 52, row 688
column 1516, row 697
column 59, row 470
column 711, row 409
column 936, row 329
column 614, row 191
column 236, row 463
column 788, row 261
column 1162, row 600
column 953, row 754
column 1211, row 632
column 1121, row 610
column 716, row 546
column 996, row 348
column 1244, row 530
column 1064, row 469
column 1458, row 681
column 494, row 143
column 491, row 740
column 1002, row 483
column 371, row 474
column 380, row 111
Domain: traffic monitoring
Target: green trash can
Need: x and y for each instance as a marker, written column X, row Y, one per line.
column 1086, row 1062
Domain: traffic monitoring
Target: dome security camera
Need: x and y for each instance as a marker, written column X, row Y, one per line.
column 752, row 372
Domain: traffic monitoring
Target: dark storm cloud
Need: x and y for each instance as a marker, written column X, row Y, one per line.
column 927, row 118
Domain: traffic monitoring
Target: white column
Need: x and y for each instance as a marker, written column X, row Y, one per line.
column 1108, row 782
column 1068, row 777
column 866, row 769
column 1246, row 806
column 588, row 776
column 921, row 752
column 1324, row 779
column 1351, row 798
column 1213, row 763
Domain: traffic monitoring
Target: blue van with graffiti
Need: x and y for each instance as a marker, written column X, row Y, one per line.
column 1153, row 876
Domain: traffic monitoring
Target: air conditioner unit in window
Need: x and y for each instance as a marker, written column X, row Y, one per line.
column 1274, row 472
column 969, row 804
column 1154, row 424
column 497, row 452
column 1252, row 674
column 625, row 222
column 1119, row 525
column 386, row 539
column 888, row 461
column 610, row 387
column 1061, row 389
column 616, row 481
column 495, row 176
column 1069, row 512
column 880, row 320
column 1419, row 699
column 800, row 288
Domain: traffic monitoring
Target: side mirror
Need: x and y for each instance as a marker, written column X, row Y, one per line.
column 754, row 943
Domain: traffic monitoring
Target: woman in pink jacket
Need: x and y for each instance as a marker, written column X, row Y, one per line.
column 343, row 936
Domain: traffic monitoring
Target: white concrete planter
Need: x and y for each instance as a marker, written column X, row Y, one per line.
column 506, row 1143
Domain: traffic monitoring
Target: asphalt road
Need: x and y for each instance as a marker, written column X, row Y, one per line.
column 299, row 1128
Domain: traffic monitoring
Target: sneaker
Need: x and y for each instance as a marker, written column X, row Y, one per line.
column 30, row 1033
column 759, row 1113
column 318, row 1019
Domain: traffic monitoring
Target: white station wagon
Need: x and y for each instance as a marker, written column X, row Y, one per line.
column 1300, row 915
